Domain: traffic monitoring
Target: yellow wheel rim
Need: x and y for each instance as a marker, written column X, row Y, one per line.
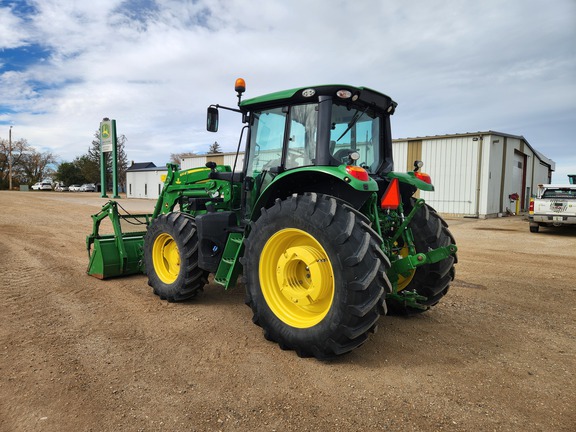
column 166, row 258
column 296, row 278
column 404, row 281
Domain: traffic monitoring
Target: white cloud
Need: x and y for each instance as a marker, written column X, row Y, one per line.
column 155, row 66
column 13, row 34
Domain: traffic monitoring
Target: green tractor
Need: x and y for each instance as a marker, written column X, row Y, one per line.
column 327, row 236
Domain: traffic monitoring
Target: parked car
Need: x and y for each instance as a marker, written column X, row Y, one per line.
column 88, row 187
column 61, row 188
column 74, row 188
column 44, row 185
column 554, row 206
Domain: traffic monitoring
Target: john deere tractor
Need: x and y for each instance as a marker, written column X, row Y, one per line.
column 327, row 235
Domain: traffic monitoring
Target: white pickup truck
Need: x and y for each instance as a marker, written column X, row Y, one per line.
column 554, row 205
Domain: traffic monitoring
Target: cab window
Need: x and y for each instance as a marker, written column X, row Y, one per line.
column 301, row 149
column 267, row 137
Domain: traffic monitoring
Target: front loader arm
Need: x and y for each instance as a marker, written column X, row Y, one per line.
column 195, row 183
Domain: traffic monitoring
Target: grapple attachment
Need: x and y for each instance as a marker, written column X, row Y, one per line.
column 118, row 253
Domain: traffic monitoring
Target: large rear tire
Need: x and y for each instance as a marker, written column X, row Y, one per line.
column 432, row 281
column 315, row 275
column 171, row 257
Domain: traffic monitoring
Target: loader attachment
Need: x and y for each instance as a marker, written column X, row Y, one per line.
column 118, row 252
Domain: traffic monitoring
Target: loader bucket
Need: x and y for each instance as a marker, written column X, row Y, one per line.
column 118, row 253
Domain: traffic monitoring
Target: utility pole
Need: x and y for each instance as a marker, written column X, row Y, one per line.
column 10, row 158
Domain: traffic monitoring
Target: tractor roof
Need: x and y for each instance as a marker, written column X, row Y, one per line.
column 308, row 94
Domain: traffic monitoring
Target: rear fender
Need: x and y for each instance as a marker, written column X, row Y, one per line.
column 410, row 179
column 333, row 181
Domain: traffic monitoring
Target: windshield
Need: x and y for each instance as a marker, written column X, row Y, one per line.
column 355, row 129
column 287, row 138
column 268, row 134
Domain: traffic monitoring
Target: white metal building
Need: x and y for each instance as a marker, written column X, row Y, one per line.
column 218, row 158
column 474, row 174
column 144, row 180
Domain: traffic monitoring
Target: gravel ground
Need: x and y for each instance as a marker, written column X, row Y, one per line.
column 80, row 354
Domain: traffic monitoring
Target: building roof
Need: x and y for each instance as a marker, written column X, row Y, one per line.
column 136, row 166
column 464, row 134
column 539, row 155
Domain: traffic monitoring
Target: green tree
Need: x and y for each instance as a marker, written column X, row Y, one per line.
column 122, row 161
column 214, row 148
column 89, row 169
column 70, row 173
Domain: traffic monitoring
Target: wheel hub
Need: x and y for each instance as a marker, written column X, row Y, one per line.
column 296, row 278
column 302, row 273
column 166, row 258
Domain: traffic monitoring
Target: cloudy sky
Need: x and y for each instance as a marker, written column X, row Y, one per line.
column 155, row 65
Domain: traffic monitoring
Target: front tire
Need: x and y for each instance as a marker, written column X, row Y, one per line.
column 315, row 275
column 171, row 257
column 432, row 281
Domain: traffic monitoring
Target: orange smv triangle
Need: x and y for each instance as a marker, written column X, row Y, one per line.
column 391, row 198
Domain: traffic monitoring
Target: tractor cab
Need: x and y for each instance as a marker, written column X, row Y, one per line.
column 326, row 135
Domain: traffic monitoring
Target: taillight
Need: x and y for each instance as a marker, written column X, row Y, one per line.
column 423, row 176
column 357, row 172
column 531, row 208
column 391, row 198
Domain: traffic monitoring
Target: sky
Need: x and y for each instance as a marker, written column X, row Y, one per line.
column 156, row 65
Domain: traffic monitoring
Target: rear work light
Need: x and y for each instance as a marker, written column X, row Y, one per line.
column 391, row 198
column 357, row 172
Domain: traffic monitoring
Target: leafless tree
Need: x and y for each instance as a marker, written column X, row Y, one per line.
column 176, row 158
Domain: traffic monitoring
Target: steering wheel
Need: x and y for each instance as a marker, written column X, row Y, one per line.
column 341, row 154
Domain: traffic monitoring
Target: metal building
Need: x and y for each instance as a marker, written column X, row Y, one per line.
column 480, row 174
column 144, row 180
column 219, row 158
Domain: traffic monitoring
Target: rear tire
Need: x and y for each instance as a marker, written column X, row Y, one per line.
column 430, row 231
column 534, row 228
column 171, row 257
column 315, row 275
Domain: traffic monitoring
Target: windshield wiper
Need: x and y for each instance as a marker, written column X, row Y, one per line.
column 353, row 122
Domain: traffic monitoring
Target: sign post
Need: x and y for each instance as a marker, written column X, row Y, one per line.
column 108, row 144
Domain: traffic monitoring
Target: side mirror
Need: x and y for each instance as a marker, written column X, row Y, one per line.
column 212, row 119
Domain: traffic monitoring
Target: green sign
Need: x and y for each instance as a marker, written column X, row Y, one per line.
column 108, row 145
column 106, row 142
